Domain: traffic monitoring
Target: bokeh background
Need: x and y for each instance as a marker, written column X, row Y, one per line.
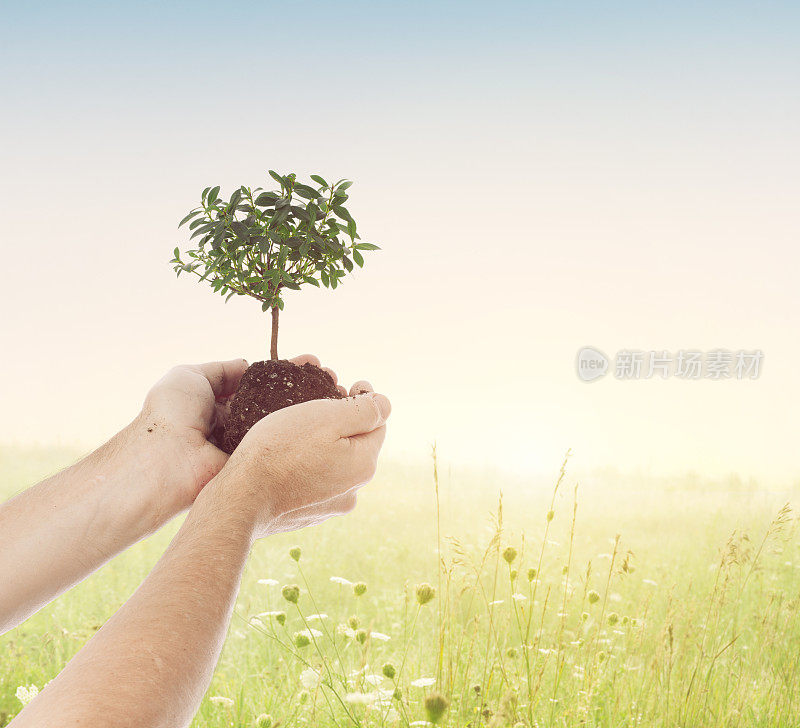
column 540, row 176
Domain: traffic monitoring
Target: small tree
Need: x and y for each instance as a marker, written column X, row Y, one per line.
column 259, row 243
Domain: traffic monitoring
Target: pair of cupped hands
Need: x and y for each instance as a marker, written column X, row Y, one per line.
column 296, row 467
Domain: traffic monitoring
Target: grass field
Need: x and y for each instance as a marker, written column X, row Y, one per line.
column 629, row 601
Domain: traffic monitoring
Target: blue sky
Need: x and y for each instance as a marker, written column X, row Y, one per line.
column 540, row 176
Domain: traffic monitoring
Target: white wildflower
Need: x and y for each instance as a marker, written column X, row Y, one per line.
column 361, row 698
column 310, row 678
column 341, row 580
column 317, row 617
column 311, row 633
column 26, row 694
column 268, row 582
column 517, row 597
column 380, row 636
column 649, row 582
column 423, row 682
column 496, row 602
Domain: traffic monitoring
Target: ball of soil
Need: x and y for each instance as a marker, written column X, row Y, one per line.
column 268, row 386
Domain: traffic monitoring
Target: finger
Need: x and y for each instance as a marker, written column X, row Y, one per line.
column 347, row 502
column 222, row 411
column 331, row 373
column 223, row 376
column 369, row 443
column 306, row 359
column 360, row 387
column 363, row 413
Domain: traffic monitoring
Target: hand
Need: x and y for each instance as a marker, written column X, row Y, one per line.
column 178, row 421
column 305, row 463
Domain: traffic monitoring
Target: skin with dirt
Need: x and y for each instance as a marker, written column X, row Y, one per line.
column 268, row 386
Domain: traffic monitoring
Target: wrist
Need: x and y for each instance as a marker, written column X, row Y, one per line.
column 230, row 505
column 142, row 465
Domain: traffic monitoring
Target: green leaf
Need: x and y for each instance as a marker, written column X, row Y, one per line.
column 366, row 246
column 212, row 196
column 240, row 229
column 344, row 185
column 342, row 213
column 277, row 178
column 304, row 191
column 319, row 180
column 186, row 219
column 266, row 199
column 358, row 258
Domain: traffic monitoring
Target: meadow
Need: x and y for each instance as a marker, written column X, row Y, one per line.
column 480, row 599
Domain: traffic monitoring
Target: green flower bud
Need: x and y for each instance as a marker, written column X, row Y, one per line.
column 354, row 622
column 531, row 574
column 291, row 593
column 280, row 618
column 613, row 618
column 512, row 653
column 301, row 639
column 359, row 589
column 593, row 597
column 510, row 554
column 425, row 593
column 263, row 721
column 397, row 694
column 550, row 515
column 389, row 671
column 361, row 636
column 435, row 707
column 304, row 697
column 295, row 553
column 513, row 574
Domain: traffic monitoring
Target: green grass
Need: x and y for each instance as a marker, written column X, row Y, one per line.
column 696, row 621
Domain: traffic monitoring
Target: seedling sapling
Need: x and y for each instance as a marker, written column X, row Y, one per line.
column 260, row 243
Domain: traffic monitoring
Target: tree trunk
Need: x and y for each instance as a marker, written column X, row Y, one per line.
column 273, row 347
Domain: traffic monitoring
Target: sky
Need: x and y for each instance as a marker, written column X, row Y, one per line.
column 541, row 177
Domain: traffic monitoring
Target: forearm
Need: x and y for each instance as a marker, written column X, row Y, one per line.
column 151, row 663
column 61, row 530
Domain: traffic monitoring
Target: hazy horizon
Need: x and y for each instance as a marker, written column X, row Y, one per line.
column 540, row 179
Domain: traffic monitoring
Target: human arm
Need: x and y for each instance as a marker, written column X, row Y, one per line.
column 150, row 664
column 59, row 531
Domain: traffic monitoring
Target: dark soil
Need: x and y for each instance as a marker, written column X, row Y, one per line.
column 268, row 386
